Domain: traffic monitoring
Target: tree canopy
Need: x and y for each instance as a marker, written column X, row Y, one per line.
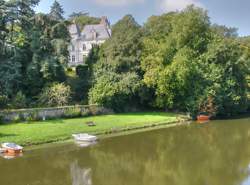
column 56, row 11
column 175, row 61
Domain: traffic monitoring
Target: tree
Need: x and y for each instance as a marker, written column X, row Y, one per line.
column 78, row 14
column 224, row 67
column 82, row 19
column 56, row 11
column 224, row 31
column 171, row 49
column 117, row 75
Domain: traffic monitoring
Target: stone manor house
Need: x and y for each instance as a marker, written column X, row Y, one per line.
column 82, row 41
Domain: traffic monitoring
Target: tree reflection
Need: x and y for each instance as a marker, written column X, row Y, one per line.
column 80, row 176
column 213, row 154
column 196, row 155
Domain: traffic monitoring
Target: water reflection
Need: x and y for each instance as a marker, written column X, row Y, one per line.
column 80, row 176
column 213, row 154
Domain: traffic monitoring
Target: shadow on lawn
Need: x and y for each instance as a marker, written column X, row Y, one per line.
column 7, row 135
column 147, row 114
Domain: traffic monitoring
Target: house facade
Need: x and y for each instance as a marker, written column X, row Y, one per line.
column 82, row 41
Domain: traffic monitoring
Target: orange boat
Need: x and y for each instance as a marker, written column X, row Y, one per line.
column 12, row 148
column 203, row 118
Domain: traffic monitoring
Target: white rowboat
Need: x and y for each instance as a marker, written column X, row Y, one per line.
column 85, row 137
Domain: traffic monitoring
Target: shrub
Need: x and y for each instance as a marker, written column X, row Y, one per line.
column 17, row 118
column 19, row 101
column 3, row 101
column 58, row 94
column 1, row 119
column 73, row 112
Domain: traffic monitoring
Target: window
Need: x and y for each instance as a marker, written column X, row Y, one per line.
column 73, row 59
column 93, row 45
column 84, row 47
column 73, row 48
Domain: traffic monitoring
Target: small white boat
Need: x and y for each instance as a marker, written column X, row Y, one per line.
column 12, row 148
column 85, row 137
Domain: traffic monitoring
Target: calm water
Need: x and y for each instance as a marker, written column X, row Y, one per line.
column 214, row 154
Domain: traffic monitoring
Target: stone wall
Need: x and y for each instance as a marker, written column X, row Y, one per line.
column 51, row 113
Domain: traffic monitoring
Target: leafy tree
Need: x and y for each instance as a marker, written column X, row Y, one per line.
column 56, row 11
column 224, row 31
column 78, row 14
column 225, row 70
column 83, row 19
column 170, row 60
column 10, row 78
column 117, row 73
column 193, row 66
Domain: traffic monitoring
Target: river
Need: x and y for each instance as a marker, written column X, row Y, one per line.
column 217, row 153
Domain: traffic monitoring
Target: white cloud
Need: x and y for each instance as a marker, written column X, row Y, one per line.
column 173, row 5
column 117, row 2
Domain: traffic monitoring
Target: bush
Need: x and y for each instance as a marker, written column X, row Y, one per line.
column 72, row 112
column 82, row 71
column 3, row 101
column 58, row 94
column 19, row 101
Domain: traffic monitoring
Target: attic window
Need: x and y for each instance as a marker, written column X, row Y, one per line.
column 84, row 47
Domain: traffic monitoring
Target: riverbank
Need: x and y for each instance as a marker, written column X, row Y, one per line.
column 35, row 133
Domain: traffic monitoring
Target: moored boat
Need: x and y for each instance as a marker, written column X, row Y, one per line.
column 85, row 137
column 12, row 148
column 203, row 117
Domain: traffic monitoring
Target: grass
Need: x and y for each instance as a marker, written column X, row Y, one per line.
column 34, row 133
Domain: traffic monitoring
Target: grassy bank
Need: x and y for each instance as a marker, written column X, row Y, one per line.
column 33, row 133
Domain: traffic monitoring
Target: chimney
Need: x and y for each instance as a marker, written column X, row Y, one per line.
column 104, row 21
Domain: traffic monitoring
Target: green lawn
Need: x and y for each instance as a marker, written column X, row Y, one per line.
column 57, row 130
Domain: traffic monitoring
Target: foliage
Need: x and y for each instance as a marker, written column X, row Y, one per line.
column 73, row 112
column 10, row 77
column 57, row 94
column 19, row 101
column 3, row 101
column 83, row 19
column 224, row 31
column 176, row 61
column 116, row 75
column 225, row 72
column 56, row 11
column 192, row 66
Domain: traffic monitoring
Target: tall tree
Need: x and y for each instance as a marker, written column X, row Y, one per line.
column 117, row 73
column 56, row 11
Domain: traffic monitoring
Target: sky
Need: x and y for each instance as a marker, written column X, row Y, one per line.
column 232, row 13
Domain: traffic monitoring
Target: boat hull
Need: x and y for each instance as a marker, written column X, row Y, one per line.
column 84, row 138
column 12, row 151
column 12, row 148
column 203, row 118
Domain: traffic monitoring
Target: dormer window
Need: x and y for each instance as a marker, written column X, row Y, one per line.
column 84, row 47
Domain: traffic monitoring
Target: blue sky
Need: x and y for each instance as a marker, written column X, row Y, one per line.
column 234, row 13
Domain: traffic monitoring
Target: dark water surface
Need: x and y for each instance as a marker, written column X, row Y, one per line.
column 217, row 153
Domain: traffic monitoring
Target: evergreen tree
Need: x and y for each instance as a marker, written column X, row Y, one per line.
column 56, row 11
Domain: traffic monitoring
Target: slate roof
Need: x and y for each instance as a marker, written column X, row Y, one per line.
column 91, row 32
column 95, row 32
